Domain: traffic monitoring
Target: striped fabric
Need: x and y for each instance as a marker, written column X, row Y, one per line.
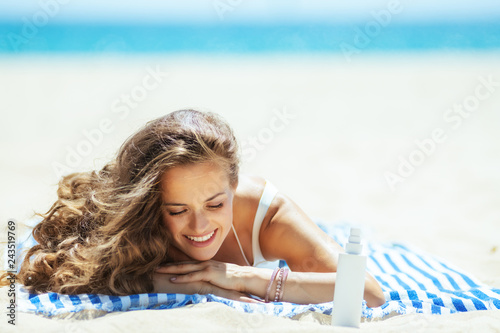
column 412, row 281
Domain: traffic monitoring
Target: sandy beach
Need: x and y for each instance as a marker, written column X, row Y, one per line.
column 405, row 145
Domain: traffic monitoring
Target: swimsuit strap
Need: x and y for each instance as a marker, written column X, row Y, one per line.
column 265, row 201
column 239, row 244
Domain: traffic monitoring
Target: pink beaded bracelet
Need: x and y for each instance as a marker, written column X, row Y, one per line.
column 268, row 291
column 283, row 278
column 278, row 286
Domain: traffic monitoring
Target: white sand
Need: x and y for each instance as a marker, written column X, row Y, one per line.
column 352, row 122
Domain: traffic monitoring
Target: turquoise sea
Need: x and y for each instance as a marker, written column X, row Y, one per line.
column 28, row 37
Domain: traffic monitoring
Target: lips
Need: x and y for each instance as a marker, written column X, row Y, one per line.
column 202, row 241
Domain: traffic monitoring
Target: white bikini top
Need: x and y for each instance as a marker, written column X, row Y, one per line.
column 265, row 201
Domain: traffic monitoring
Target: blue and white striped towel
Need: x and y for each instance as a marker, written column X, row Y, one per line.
column 412, row 281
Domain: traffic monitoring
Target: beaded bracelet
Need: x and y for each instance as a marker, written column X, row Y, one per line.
column 271, row 283
column 278, row 287
column 283, row 277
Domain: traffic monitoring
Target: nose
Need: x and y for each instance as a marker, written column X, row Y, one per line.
column 199, row 223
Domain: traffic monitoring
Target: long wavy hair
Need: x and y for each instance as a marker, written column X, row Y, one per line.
column 105, row 234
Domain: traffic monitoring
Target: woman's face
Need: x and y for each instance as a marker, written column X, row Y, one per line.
column 197, row 208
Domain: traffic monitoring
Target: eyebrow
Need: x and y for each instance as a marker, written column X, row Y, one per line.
column 181, row 204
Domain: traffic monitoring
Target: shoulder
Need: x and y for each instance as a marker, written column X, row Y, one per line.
column 247, row 197
column 249, row 192
column 250, row 187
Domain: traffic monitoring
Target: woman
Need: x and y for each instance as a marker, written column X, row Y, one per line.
column 172, row 214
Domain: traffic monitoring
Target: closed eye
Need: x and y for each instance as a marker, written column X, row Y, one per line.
column 216, row 206
column 176, row 213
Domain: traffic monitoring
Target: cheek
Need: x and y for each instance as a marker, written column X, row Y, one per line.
column 169, row 224
column 227, row 214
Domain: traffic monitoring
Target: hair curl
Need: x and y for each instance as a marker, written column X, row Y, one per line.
column 105, row 234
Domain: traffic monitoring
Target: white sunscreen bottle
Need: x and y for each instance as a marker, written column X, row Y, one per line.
column 350, row 283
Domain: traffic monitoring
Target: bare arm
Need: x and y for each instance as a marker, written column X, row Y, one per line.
column 300, row 287
column 288, row 233
column 306, row 287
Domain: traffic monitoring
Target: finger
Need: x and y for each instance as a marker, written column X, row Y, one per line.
column 190, row 277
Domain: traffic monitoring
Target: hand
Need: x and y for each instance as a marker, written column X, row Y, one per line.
column 223, row 275
column 162, row 283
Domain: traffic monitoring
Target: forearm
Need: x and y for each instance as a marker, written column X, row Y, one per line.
column 306, row 288
column 300, row 287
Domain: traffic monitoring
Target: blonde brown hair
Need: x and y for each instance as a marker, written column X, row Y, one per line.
column 104, row 234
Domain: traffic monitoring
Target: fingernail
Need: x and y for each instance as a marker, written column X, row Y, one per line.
column 173, row 278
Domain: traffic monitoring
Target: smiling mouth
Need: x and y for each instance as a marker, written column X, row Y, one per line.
column 201, row 239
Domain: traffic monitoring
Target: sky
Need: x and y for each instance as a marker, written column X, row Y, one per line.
column 247, row 11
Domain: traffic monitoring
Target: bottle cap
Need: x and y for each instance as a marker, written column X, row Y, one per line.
column 354, row 245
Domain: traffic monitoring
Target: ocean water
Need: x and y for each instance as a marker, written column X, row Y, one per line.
column 35, row 37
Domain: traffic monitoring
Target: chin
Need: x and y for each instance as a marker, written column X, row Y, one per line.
column 202, row 257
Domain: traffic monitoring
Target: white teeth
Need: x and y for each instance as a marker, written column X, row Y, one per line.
column 201, row 239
